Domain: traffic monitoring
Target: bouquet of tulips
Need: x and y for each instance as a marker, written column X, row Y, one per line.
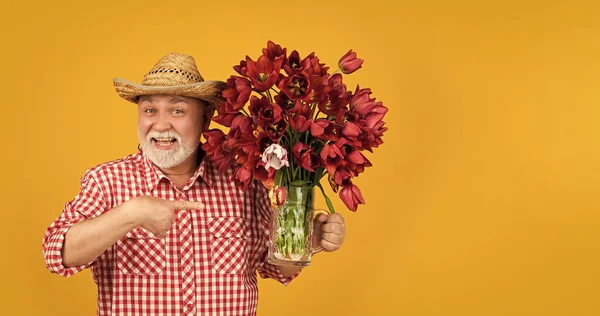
column 292, row 122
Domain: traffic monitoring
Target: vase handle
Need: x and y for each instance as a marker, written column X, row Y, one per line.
column 316, row 212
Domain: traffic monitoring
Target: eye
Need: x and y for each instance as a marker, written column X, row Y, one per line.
column 149, row 111
column 177, row 111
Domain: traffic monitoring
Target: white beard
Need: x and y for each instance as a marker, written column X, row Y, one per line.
column 166, row 158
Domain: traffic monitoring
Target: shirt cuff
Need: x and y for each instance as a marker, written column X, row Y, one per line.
column 272, row 271
column 53, row 254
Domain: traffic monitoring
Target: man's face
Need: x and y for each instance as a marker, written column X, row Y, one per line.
column 169, row 127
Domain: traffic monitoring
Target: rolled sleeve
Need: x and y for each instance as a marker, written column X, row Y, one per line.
column 53, row 245
column 88, row 203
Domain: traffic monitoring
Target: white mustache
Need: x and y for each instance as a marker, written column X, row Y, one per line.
column 168, row 134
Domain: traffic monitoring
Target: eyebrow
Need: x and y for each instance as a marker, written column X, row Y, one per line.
column 178, row 99
column 146, row 97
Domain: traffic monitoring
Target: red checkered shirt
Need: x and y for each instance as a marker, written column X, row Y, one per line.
column 207, row 263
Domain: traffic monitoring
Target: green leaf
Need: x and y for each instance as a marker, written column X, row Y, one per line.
column 327, row 200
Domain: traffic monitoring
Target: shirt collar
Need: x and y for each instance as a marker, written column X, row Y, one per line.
column 153, row 175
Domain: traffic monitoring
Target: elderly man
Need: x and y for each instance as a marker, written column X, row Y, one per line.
column 163, row 232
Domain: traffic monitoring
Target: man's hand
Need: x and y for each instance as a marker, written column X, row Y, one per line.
column 158, row 215
column 329, row 231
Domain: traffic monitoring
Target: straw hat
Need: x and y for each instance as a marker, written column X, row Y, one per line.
column 172, row 74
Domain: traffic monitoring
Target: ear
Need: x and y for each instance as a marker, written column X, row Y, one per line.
column 209, row 111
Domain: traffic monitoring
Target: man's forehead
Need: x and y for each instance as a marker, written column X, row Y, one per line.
column 168, row 97
column 163, row 96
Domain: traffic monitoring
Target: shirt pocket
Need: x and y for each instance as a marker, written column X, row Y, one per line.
column 228, row 244
column 140, row 252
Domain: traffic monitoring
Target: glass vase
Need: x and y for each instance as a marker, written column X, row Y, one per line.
column 291, row 236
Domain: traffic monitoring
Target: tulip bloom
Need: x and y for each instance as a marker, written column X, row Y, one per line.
column 264, row 112
column 305, row 157
column 275, row 157
column 214, row 148
column 331, row 156
column 264, row 72
column 296, row 86
column 349, row 63
column 237, row 92
column 293, row 64
column 274, row 51
column 301, row 121
column 243, row 176
column 278, row 195
column 324, row 129
column 267, row 177
column 351, row 196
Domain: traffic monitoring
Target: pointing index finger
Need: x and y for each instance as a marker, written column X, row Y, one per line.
column 186, row 205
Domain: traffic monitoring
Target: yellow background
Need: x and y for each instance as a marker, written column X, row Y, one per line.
column 483, row 200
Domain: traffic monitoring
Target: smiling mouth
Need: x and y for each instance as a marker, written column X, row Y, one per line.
column 164, row 142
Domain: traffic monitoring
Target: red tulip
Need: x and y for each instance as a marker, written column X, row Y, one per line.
column 349, row 63
column 357, row 162
column 225, row 114
column 351, row 196
column 324, row 129
column 295, row 86
column 213, row 147
column 264, row 112
column 241, row 68
column 366, row 114
column 373, row 128
column 214, row 139
column 319, row 91
column 341, row 176
column 284, row 102
column 312, row 67
column 249, row 149
column 331, row 157
column 298, row 149
column 337, row 96
column 293, row 64
column 351, row 130
column 267, row 177
column 246, row 153
column 263, row 73
column 241, row 129
column 301, row 119
column 276, row 131
column 237, row 92
column 373, row 119
column 274, row 51
column 354, row 161
column 243, row 175
column 361, row 102
column 262, row 141
column 305, row 157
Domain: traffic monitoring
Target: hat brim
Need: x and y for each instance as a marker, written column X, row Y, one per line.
column 209, row 91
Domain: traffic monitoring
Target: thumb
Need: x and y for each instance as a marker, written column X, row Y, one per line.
column 321, row 218
column 185, row 205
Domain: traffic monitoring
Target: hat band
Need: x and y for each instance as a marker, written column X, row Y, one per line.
column 173, row 75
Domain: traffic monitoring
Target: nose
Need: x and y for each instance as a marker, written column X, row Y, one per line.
column 162, row 124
